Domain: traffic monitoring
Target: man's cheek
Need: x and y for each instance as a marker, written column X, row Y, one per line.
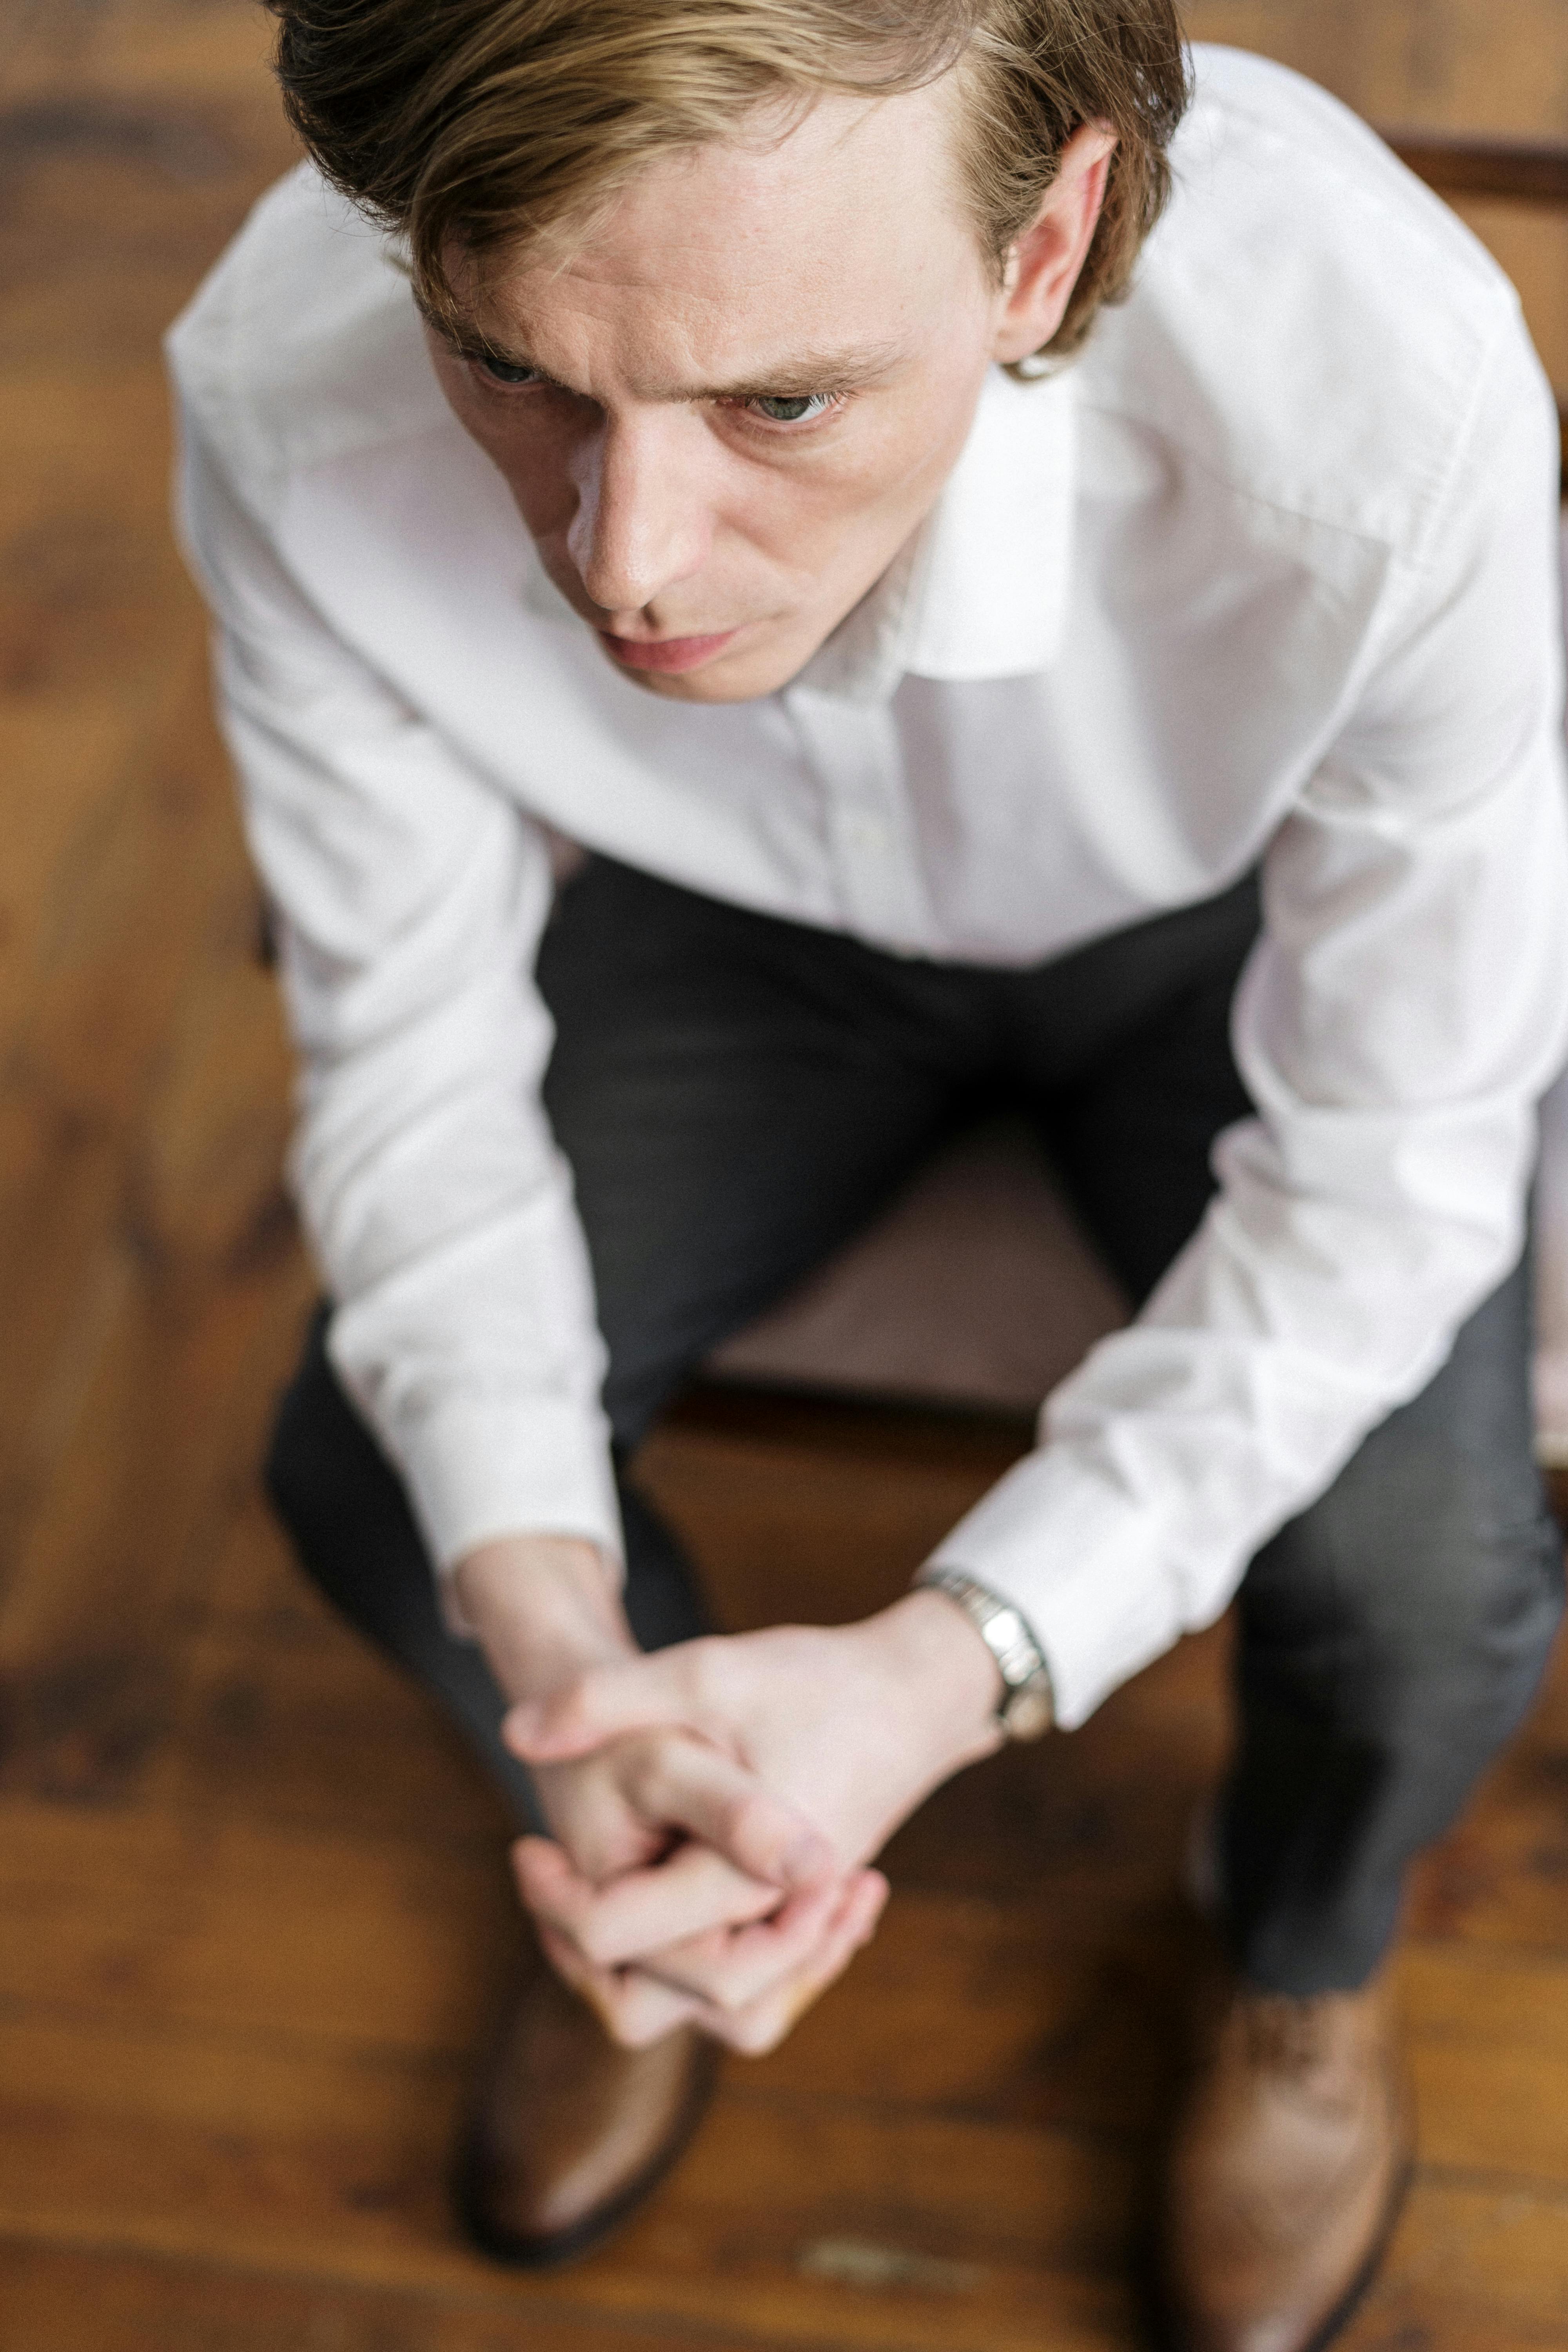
column 543, row 490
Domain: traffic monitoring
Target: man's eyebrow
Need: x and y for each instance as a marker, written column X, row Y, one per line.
column 845, row 369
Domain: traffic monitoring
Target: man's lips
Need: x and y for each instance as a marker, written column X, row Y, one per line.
column 665, row 652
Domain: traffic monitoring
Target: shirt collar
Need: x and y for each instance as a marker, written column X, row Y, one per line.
column 981, row 589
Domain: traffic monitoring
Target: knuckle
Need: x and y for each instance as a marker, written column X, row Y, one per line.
column 706, row 1668
column 557, row 1903
column 573, row 1700
column 597, row 1943
column 635, row 2011
column 577, row 1704
column 602, row 1855
column 645, row 1778
column 747, row 1822
column 538, row 1904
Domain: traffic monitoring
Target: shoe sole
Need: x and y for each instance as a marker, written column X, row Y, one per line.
column 1350, row 2302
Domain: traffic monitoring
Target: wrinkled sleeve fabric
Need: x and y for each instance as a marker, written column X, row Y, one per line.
column 409, row 895
column 1405, row 1006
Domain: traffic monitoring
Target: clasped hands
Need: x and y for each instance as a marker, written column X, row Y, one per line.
column 715, row 1806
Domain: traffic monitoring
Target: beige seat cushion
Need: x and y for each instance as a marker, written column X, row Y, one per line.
column 975, row 1288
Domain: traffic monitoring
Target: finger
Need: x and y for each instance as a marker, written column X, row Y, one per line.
column 587, row 1812
column 769, row 2020
column 698, row 1787
column 765, row 2023
column 678, row 1782
column 639, row 1695
column 633, row 2010
column 691, row 1893
column 623, row 1998
column 734, row 1968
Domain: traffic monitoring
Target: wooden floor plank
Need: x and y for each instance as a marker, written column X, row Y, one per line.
column 290, row 1719
column 151, row 1253
column 253, row 1913
column 115, row 2302
column 1500, row 1877
column 142, row 1917
column 962, row 2006
column 91, row 1662
column 279, row 2159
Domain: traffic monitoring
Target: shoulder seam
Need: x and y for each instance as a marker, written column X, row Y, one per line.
column 1408, row 550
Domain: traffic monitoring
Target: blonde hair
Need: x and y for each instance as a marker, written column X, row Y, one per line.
column 484, row 124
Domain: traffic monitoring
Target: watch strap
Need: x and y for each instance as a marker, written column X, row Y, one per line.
column 1028, row 1706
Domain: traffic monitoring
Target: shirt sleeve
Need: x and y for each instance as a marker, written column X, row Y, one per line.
column 1406, row 1005
column 410, row 894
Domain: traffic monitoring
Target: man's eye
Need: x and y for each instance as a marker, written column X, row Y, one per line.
column 505, row 371
column 793, row 407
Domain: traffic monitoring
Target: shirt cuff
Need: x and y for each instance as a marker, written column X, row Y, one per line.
column 479, row 1469
column 1083, row 1563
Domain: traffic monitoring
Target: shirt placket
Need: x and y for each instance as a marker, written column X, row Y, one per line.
column 853, row 751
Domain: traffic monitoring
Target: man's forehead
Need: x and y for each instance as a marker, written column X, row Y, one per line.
column 742, row 266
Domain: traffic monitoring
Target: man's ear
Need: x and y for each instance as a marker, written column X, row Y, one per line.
column 1046, row 261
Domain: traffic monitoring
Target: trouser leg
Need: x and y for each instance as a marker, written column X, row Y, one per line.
column 734, row 1094
column 347, row 1512
column 1392, row 1636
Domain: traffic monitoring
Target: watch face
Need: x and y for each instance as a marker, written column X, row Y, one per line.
column 1027, row 1713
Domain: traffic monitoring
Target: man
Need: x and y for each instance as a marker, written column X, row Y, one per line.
column 641, row 449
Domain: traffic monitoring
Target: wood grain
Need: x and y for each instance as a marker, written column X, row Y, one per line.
column 113, row 2303
column 255, row 1919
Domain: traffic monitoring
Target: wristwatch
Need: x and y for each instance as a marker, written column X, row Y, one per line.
column 1028, row 1706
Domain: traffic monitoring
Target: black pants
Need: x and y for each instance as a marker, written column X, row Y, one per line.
column 736, row 1094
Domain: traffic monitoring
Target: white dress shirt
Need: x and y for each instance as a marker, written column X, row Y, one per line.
column 1269, row 572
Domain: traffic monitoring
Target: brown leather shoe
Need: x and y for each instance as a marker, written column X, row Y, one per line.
column 1288, row 2167
column 571, row 2132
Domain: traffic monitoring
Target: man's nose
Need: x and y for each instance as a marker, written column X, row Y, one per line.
column 642, row 524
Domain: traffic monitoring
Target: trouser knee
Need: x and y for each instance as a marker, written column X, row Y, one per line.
column 1435, row 1636
column 348, row 1514
column 1362, row 1736
column 1392, row 1638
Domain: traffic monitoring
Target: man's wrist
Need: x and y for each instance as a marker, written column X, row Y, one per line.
column 945, row 1672
column 1029, row 1705
column 544, row 1608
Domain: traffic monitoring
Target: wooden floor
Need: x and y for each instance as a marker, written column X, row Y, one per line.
column 254, row 1916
